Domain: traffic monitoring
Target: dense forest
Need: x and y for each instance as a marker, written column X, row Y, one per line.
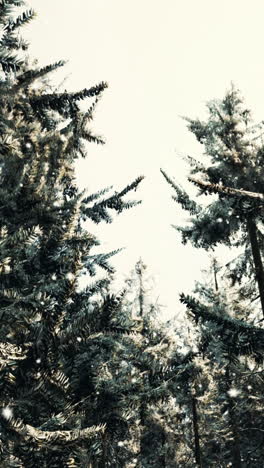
column 93, row 378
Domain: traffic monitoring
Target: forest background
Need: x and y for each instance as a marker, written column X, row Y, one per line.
column 89, row 378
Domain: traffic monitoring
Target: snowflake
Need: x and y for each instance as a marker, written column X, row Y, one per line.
column 120, row 443
column 28, row 145
column 7, row 412
column 219, row 220
column 38, row 361
column 233, row 392
column 79, row 338
column 70, row 276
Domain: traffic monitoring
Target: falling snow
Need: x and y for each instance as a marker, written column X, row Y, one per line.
column 7, row 412
column 233, row 392
column 70, row 276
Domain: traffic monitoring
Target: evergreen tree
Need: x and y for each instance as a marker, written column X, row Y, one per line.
column 46, row 318
column 236, row 367
column 124, row 370
column 229, row 329
column 233, row 172
column 152, row 355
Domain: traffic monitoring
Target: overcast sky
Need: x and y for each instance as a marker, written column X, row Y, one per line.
column 162, row 59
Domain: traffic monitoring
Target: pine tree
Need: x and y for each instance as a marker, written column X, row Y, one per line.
column 44, row 251
column 233, row 172
column 225, row 342
column 229, row 329
column 124, row 371
column 155, row 365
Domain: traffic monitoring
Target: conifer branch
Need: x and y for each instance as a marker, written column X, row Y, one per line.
column 54, row 437
column 29, row 76
column 249, row 338
column 25, row 18
column 217, row 188
column 181, row 196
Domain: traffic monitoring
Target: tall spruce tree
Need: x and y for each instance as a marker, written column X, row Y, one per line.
column 234, row 355
column 153, row 358
column 148, row 358
column 230, row 332
column 45, row 249
column 233, row 172
column 125, row 371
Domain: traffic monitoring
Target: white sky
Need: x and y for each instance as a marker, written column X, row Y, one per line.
column 162, row 59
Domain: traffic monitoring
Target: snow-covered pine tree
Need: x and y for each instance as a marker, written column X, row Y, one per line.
column 124, row 370
column 233, row 349
column 149, row 343
column 233, row 172
column 154, row 360
column 44, row 251
column 230, row 336
column 193, row 388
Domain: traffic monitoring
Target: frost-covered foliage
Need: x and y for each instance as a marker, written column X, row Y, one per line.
column 232, row 177
column 227, row 310
column 46, row 319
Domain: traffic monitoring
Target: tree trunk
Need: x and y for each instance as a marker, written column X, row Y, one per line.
column 102, row 462
column 141, row 294
column 197, row 449
column 163, row 458
column 236, row 454
column 142, row 407
column 252, row 232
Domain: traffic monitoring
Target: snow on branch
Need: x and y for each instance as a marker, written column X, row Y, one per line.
column 217, row 188
column 54, row 437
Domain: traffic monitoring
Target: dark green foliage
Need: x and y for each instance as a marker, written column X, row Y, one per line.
column 234, row 348
column 220, row 386
column 51, row 329
column 182, row 197
column 25, row 79
column 232, row 169
column 10, row 40
column 239, row 335
column 99, row 211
